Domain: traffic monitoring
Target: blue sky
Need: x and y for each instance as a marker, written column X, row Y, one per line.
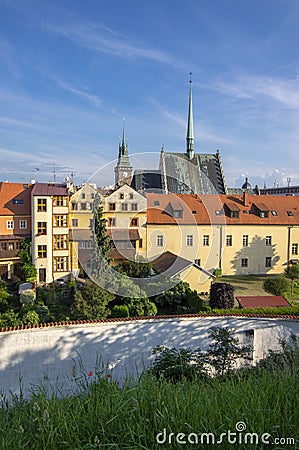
column 72, row 70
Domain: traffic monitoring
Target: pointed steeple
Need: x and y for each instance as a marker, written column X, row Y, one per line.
column 123, row 169
column 190, row 134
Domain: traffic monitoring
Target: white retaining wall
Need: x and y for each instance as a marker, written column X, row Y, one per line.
column 60, row 356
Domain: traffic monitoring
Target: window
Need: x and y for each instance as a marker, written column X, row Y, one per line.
column 131, row 196
column 18, row 245
column 159, row 241
column 197, row 262
column 60, row 200
column 177, row 214
column 9, row 225
column 124, row 206
column 75, row 222
column 60, row 221
column 60, row 242
column 121, row 196
column 134, row 206
column 60, row 264
column 41, row 205
column 23, row 224
column 245, row 241
column 218, row 212
column 134, row 222
column 74, row 206
column 268, row 261
column 156, row 203
column 90, row 223
column 295, row 249
column 194, row 212
column 111, row 206
column 268, row 241
column 3, row 246
column 92, row 195
column 42, row 251
column 229, row 240
column 189, row 240
column 274, row 213
column 41, row 227
column 11, row 246
column 18, row 201
column 205, row 240
column 235, row 214
column 83, row 195
column 140, row 243
column 111, row 221
column 290, row 213
column 83, row 207
column 244, row 262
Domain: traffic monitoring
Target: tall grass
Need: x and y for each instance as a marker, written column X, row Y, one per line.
column 105, row 416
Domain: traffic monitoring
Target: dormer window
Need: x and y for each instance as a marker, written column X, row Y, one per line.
column 274, row 213
column 177, row 214
column 290, row 213
column 233, row 210
column 262, row 210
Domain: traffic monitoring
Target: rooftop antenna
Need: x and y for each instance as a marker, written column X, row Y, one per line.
column 288, row 181
column 54, row 173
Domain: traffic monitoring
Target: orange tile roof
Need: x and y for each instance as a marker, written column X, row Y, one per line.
column 15, row 191
column 209, row 209
column 263, row 301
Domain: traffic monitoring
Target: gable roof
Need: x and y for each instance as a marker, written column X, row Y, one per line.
column 13, row 192
column 46, row 189
column 271, row 301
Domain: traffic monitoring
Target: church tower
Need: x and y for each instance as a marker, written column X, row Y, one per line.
column 190, row 134
column 123, row 169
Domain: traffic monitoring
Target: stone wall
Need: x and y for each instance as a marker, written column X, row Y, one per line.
column 60, row 357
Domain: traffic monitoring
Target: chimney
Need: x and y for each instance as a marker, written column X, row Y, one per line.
column 245, row 198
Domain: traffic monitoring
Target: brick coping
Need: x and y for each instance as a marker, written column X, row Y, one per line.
column 134, row 319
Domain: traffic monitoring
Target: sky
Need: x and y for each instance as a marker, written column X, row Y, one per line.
column 73, row 72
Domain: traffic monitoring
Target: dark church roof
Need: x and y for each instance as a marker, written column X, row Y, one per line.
column 202, row 174
column 147, row 180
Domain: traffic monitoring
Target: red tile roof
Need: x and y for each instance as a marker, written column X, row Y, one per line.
column 207, row 209
column 271, row 301
column 49, row 189
column 15, row 191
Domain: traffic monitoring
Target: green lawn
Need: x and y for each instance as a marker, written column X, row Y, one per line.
column 246, row 285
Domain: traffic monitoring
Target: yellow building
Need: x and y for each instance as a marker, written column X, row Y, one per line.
column 50, row 232
column 81, row 215
column 240, row 235
column 125, row 210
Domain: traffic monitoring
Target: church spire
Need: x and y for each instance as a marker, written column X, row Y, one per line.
column 123, row 169
column 190, row 134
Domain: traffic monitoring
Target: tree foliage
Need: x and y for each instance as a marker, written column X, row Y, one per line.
column 180, row 298
column 91, row 302
column 102, row 245
column 29, row 271
column 225, row 350
column 292, row 272
column 277, row 285
column 221, row 295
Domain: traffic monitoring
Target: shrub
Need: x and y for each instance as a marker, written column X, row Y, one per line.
column 276, row 285
column 27, row 297
column 30, row 318
column 175, row 365
column 120, row 311
column 221, row 295
column 226, row 350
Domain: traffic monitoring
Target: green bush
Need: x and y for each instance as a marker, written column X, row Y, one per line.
column 221, row 295
column 175, row 365
column 120, row 311
column 27, row 297
column 30, row 318
column 277, row 285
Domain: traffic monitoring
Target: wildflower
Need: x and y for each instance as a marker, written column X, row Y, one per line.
column 46, row 415
column 109, row 376
column 97, row 441
column 89, row 373
column 21, row 429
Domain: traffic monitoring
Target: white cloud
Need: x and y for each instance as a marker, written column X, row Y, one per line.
column 96, row 36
